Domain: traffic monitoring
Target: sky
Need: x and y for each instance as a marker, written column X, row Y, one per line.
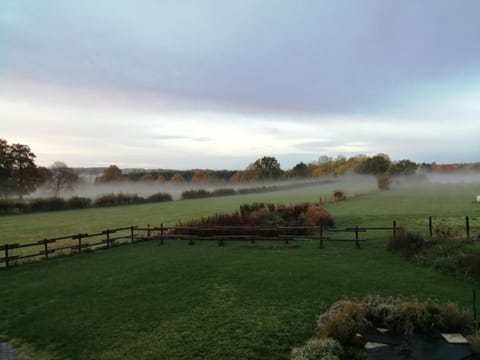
column 217, row 84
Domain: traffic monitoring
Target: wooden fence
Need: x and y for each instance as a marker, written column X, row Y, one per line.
column 58, row 245
column 76, row 243
column 467, row 227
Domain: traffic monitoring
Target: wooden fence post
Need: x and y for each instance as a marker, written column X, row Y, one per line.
column 394, row 230
column 6, row 256
column 190, row 241
column 132, row 235
column 108, row 238
column 148, row 230
column 357, row 244
column 430, row 227
column 45, row 244
column 161, row 234
column 321, row 235
column 79, row 243
column 467, row 227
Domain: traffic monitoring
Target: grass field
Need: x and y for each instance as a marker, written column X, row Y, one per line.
column 147, row 301
column 30, row 227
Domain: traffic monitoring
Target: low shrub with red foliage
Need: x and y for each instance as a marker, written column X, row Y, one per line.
column 261, row 214
column 316, row 215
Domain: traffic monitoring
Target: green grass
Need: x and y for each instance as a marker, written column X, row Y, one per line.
column 199, row 302
column 31, row 227
column 147, row 301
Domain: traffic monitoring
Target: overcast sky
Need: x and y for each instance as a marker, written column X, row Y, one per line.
column 217, row 84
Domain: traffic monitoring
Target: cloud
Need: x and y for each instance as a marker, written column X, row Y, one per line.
column 321, row 57
column 165, row 83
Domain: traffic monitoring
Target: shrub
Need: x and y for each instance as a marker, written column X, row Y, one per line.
column 258, row 189
column 453, row 318
column 475, row 342
column 342, row 321
column 406, row 242
column 318, row 349
column 469, row 264
column 246, row 209
column 195, row 194
column 345, row 317
column 443, row 231
column 224, row 192
column 258, row 217
column 13, row 206
column 316, row 215
column 127, row 199
column 47, row 204
column 118, row 199
column 77, row 202
column 159, row 197
column 105, row 200
column 383, row 181
column 338, row 196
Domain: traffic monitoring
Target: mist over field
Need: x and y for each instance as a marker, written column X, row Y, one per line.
column 350, row 183
column 463, row 177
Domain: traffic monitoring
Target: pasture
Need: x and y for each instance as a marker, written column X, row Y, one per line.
column 147, row 301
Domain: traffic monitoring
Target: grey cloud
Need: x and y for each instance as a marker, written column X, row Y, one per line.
column 314, row 146
column 308, row 56
column 180, row 137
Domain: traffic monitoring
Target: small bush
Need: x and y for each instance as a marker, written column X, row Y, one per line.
column 318, row 349
column 342, row 321
column 453, row 318
column 77, row 202
column 406, row 242
column 159, row 197
column 383, row 181
column 316, row 215
column 444, row 232
column 469, row 264
column 259, row 189
column 338, row 196
column 224, row 192
column 247, row 209
column 345, row 317
column 8, row 206
column 105, row 200
column 195, row 194
column 258, row 217
column 118, row 199
column 475, row 342
column 47, row 204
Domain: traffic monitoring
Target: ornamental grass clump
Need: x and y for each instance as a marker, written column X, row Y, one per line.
column 408, row 243
column 342, row 321
column 318, row 349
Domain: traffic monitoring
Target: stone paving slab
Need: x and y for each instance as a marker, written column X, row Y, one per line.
column 7, row 352
column 455, row 338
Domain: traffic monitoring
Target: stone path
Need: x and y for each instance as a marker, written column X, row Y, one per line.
column 8, row 353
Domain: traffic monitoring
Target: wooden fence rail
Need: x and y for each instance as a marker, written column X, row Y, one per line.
column 80, row 242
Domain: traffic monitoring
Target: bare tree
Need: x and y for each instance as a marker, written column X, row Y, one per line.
column 63, row 177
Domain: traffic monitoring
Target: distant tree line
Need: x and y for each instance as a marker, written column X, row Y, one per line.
column 20, row 176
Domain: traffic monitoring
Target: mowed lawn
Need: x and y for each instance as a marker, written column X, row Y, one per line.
column 147, row 301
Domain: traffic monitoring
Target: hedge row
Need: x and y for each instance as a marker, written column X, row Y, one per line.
column 202, row 193
column 76, row 202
